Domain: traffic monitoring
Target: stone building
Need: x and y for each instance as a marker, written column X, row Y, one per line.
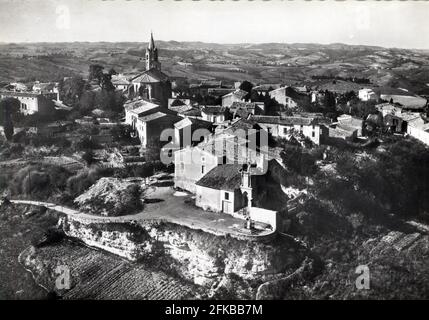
column 152, row 84
column 32, row 102
column 235, row 96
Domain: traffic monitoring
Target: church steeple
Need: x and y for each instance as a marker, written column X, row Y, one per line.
column 152, row 55
column 151, row 42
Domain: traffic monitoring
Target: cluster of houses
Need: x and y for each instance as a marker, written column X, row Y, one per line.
column 221, row 152
column 35, row 97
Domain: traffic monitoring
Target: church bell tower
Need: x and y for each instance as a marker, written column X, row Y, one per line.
column 152, row 55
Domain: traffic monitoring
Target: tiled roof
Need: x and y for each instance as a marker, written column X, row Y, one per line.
column 139, row 106
column 150, row 76
column 286, row 121
column 152, row 116
column 219, row 91
column 213, row 109
column 180, row 109
column 120, row 79
column 266, row 87
column 241, row 124
column 223, row 177
column 194, row 112
column 192, row 121
column 20, row 94
column 238, row 93
column 45, row 86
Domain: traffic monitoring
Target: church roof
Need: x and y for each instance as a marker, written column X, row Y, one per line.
column 150, row 76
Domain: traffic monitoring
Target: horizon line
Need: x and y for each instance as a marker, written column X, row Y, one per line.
column 218, row 43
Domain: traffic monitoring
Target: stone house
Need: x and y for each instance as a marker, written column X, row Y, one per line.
column 235, row 96
column 235, row 189
column 220, row 189
column 245, row 109
column 150, row 127
column 215, row 114
column 32, row 102
column 290, row 98
column 190, row 131
column 139, row 107
column 284, row 127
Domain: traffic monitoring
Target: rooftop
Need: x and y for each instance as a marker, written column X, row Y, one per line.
column 20, row 94
column 139, row 106
column 152, row 116
column 223, row 177
column 150, row 76
column 238, row 93
column 286, row 121
column 192, row 121
column 213, row 109
column 267, row 86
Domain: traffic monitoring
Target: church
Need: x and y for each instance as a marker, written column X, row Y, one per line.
column 153, row 84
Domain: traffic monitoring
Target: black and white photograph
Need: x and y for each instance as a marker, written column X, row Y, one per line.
column 224, row 151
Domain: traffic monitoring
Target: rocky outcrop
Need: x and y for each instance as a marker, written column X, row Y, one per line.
column 195, row 255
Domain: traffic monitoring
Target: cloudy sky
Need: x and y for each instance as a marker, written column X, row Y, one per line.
column 384, row 23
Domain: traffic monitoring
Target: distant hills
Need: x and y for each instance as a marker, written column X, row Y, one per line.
column 264, row 62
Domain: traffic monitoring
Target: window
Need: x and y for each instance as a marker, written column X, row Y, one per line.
column 313, row 134
column 301, row 128
column 226, row 196
column 284, row 130
column 202, row 169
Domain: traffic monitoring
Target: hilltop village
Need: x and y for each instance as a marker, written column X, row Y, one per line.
column 249, row 161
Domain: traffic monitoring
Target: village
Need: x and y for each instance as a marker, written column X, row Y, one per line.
column 229, row 159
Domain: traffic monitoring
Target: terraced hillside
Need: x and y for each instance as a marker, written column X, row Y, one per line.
column 97, row 275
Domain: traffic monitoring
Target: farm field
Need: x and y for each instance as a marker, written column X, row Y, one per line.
column 98, row 275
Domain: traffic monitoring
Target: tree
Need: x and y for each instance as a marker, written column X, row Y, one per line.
column 106, row 82
column 95, row 72
column 71, row 90
column 246, row 86
column 9, row 108
column 112, row 72
column 88, row 157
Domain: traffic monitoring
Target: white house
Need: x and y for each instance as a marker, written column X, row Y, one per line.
column 284, row 127
column 215, row 114
column 367, row 94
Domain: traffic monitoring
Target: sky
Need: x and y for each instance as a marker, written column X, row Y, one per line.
column 402, row 24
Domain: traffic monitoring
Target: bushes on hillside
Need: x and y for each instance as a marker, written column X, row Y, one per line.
column 39, row 181
column 84, row 179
